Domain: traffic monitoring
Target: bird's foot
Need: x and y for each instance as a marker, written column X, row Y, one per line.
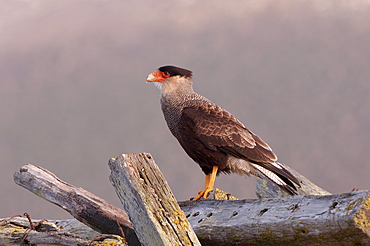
column 203, row 193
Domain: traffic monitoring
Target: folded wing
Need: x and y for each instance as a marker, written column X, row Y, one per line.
column 218, row 130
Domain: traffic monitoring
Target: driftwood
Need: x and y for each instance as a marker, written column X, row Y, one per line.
column 148, row 200
column 17, row 231
column 300, row 220
column 81, row 204
column 291, row 220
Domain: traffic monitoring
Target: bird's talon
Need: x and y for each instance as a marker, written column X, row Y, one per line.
column 206, row 193
column 200, row 195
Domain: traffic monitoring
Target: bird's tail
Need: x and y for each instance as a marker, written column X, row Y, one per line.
column 278, row 174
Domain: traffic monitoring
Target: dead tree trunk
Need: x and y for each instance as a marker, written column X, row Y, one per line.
column 342, row 219
column 299, row 220
column 148, row 199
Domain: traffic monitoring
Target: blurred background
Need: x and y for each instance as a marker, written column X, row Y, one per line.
column 73, row 91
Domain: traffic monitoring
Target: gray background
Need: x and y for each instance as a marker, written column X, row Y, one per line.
column 73, row 91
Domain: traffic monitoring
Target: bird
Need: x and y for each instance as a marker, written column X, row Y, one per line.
column 212, row 136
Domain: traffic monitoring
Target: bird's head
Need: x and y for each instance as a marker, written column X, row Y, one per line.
column 167, row 73
column 170, row 78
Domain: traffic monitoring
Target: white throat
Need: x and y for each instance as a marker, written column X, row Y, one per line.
column 175, row 86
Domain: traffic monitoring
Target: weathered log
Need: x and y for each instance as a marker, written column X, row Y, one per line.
column 147, row 198
column 342, row 219
column 81, row 204
column 294, row 220
column 297, row 220
column 16, row 231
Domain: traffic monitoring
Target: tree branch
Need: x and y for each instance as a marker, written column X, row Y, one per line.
column 81, row 204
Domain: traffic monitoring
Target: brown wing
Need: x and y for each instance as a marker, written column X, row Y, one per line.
column 217, row 129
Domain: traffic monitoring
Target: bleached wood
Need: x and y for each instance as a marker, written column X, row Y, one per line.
column 14, row 231
column 81, row 204
column 342, row 219
column 147, row 198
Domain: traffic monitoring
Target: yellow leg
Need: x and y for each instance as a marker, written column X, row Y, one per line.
column 209, row 185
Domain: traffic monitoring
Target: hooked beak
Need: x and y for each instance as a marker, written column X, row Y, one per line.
column 155, row 77
column 151, row 78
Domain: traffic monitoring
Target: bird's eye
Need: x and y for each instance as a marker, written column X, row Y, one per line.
column 166, row 74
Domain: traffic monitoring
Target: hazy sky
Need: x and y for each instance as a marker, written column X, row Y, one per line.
column 73, row 91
